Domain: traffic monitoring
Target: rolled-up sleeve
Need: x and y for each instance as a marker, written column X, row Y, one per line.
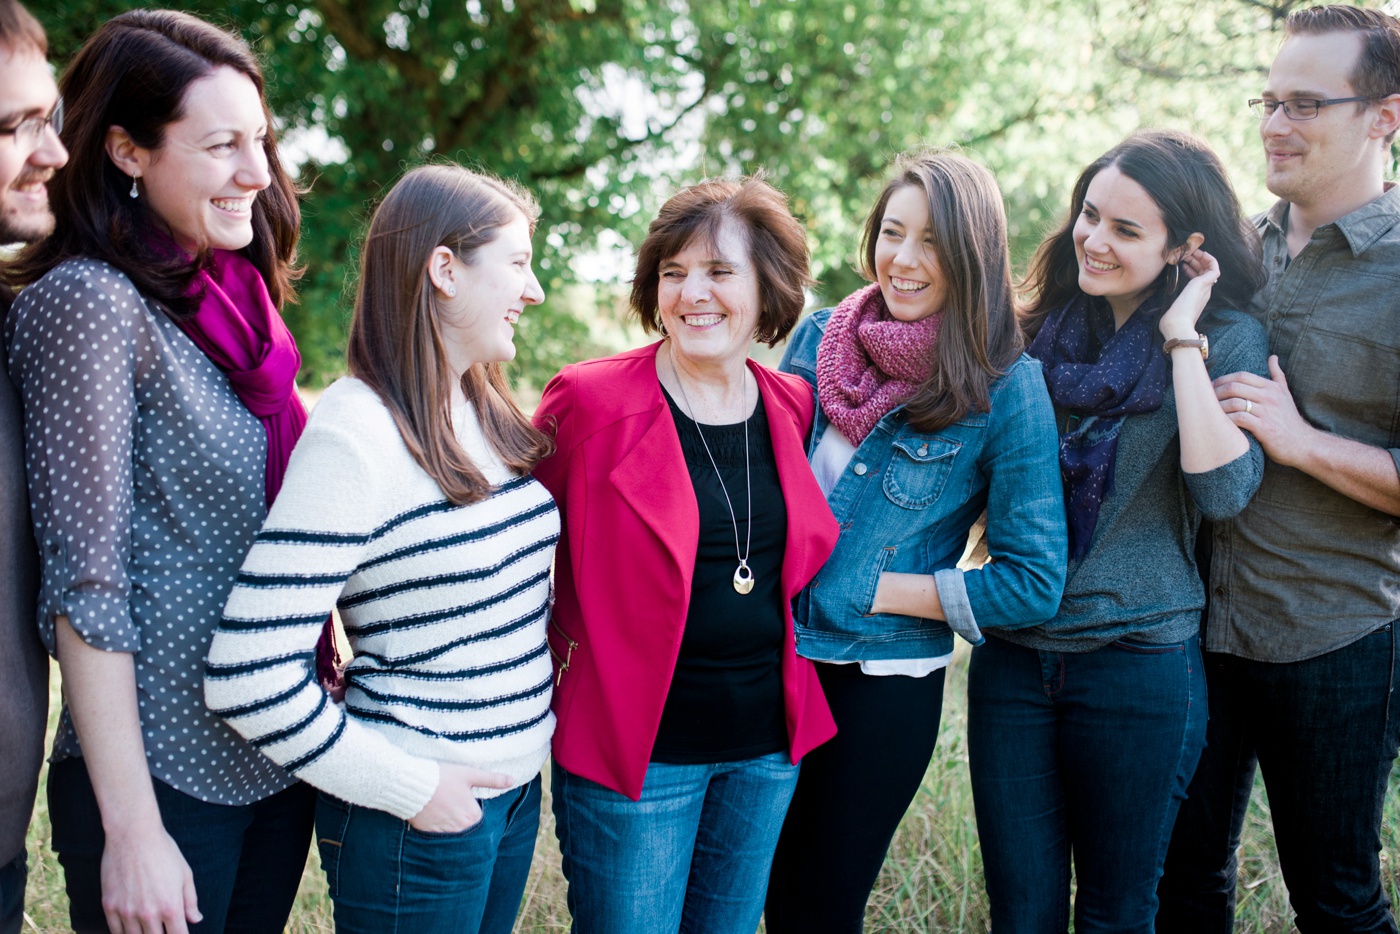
column 74, row 354
column 1225, row 491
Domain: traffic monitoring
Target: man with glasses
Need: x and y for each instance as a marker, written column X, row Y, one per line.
column 1301, row 630
column 29, row 154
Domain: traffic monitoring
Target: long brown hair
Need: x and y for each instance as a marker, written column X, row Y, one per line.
column 396, row 345
column 133, row 73
column 978, row 339
column 1188, row 184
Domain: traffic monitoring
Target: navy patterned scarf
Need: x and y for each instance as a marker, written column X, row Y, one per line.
column 1100, row 375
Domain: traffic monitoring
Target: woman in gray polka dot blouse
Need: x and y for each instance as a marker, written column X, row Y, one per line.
column 158, row 385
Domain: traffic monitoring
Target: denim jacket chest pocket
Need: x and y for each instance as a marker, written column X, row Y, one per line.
column 919, row 469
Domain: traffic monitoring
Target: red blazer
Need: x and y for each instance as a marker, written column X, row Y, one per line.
column 622, row 572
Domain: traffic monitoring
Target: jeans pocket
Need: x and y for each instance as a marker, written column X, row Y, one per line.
column 332, row 823
column 433, row 836
column 1144, row 648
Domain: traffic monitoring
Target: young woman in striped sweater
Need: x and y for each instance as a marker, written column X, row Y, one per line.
column 408, row 504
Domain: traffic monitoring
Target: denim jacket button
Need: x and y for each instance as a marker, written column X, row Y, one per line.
column 860, row 469
column 923, row 451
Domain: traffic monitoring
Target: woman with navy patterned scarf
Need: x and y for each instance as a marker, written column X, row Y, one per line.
column 1084, row 731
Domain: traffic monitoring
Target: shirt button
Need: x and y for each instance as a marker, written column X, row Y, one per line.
column 860, row 469
column 1220, row 591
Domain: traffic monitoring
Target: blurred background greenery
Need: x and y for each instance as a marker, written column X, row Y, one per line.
column 604, row 107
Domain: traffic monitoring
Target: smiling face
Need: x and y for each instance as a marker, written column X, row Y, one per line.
column 203, row 178
column 1120, row 241
column 906, row 266
column 707, row 299
column 1314, row 162
column 27, row 90
column 478, row 324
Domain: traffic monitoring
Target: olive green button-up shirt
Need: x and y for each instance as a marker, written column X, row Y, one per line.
column 1304, row 570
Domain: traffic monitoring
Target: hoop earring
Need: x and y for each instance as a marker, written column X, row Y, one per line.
column 1176, row 277
column 135, row 193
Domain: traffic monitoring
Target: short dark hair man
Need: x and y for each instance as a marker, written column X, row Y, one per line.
column 1301, row 632
column 29, row 154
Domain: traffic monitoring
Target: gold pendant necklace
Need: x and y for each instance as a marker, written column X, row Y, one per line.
column 743, row 575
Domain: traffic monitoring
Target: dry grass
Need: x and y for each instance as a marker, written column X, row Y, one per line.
column 932, row 880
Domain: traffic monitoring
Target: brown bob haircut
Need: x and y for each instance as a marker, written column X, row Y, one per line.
column 1377, row 73
column 133, row 73
column 19, row 30
column 777, row 248
column 978, row 338
column 396, row 345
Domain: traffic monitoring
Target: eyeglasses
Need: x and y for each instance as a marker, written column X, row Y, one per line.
column 1302, row 108
column 29, row 132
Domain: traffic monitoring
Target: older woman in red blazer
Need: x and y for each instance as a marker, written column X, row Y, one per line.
column 691, row 520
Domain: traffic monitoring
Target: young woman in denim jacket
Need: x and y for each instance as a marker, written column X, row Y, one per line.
column 1083, row 732
column 928, row 415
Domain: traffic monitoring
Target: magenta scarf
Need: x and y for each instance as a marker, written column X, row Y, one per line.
column 239, row 329
column 869, row 362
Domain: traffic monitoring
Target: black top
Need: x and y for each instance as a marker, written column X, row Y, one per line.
column 726, row 697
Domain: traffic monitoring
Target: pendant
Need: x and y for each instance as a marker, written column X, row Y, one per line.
column 743, row 577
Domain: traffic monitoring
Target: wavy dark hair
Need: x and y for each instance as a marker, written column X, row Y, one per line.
column 133, row 73
column 396, row 345
column 1189, row 186
column 978, row 338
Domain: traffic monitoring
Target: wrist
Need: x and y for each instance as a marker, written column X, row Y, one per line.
column 132, row 822
column 1305, row 451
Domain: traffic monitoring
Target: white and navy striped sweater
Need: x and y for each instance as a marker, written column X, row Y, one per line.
column 445, row 607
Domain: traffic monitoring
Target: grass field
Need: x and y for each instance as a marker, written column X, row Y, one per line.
column 932, row 879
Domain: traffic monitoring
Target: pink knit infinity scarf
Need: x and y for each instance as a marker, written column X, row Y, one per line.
column 869, row 362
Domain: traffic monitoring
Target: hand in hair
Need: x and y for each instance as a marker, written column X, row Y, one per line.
column 453, row 806
column 1202, row 270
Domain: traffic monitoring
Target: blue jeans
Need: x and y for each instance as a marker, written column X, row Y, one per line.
column 692, row 855
column 1324, row 733
column 386, row 877
column 1083, row 756
column 246, row 859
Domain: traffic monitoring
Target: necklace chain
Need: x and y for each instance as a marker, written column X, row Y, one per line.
column 743, row 575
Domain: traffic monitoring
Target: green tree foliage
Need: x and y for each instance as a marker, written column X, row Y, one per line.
column 603, row 106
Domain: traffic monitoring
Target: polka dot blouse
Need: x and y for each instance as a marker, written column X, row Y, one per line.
column 146, row 484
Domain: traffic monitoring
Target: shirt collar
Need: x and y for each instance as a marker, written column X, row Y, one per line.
column 1362, row 228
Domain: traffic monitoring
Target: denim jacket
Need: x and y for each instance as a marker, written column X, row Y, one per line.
column 906, row 501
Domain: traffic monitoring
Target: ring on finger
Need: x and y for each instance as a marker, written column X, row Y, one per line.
column 1248, row 406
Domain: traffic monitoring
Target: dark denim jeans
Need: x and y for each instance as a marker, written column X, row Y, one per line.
column 1083, row 756
column 12, row 878
column 1324, row 733
column 247, row 860
column 692, row 855
column 386, row 877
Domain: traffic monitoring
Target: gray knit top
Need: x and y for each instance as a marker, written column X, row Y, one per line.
column 1139, row 580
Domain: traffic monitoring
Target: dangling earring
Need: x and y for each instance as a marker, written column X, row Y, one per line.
column 1176, row 276
column 134, row 192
